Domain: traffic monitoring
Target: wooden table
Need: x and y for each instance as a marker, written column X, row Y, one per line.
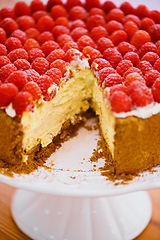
column 9, row 230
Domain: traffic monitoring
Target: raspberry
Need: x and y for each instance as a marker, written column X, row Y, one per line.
column 62, row 21
column 127, row 8
column 4, row 61
column 147, row 47
column 54, row 55
column 34, row 53
column 44, row 83
column 3, row 36
column 85, row 41
column 131, row 77
column 154, row 32
column 70, row 45
column 132, row 18
column 70, row 3
column 7, row 12
column 45, row 23
column 33, row 89
column 125, row 47
column 77, row 23
column 140, row 38
column 100, row 63
column 64, row 38
column 51, row 3
column 120, row 102
column 77, row 12
column 157, row 44
column 23, row 102
column 123, row 66
column 55, row 74
column 58, row 11
column 118, row 36
column 133, row 57
column 6, row 70
column 32, row 75
column 13, row 43
column 58, row 30
column 92, row 3
column 140, row 94
column 111, row 80
column 115, row 14
column 104, row 43
column 18, row 78
column 78, row 32
column 3, row 50
column 118, row 87
column 22, row 64
column 103, row 73
column 49, row 46
column 94, row 11
column 38, row 14
column 146, row 23
column 151, row 57
column 151, row 76
column 157, row 65
column 156, row 90
column 133, row 70
column 36, row 5
column 73, row 54
column 21, row 8
column 108, row 5
column 98, row 32
column 144, row 66
column 158, row 51
column 7, row 93
column 9, row 25
column 32, row 33
column 21, row 35
column 25, row 22
column 113, row 56
column 19, row 53
column 40, row 65
column 113, row 26
column 31, row 43
column 142, row 11
column 155, row 15
column 95, row 21
column 45, row 36
column 130, row 28
column 61, row 65
column 91, row 53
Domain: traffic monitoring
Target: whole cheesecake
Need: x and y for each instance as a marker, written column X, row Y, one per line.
column 58, row 60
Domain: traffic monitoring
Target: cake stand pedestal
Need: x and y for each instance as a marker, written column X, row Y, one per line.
column 46, row 216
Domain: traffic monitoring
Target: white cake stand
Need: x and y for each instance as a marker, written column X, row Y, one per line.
column 77, row 203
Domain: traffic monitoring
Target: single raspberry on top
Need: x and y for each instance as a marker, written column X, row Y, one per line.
column 133, row 57
column 61, row 65
column 78, row 32
column 118, row 87
column 7, row 12
column 32, row 33
column 33, row 89
column 144, row 66
column 113, row 56
column 59, row 30
column 111, row 80
column 140, row 38
column 85, row 41
column 151, row 57
column 103, row 73
column 73, row 54
column 7, row 93
column 98, row 32
column 127, row 8
column 13, row 43
column 45, row 83
column 31, row 43
column 45, row 36
column 54, row 55
column 4, row 60
column 36, row 5
column 32, row 75
column 34, row 53
column 55, row 74
column 18, row 78
column 58, row 11
column 156, row 90
column 123, row 66
column 108, row 5
column 125, row 47
column 130, row 28
column 131, row 77
column 142, row 11
column 151, row 76
column 49, row 46
column 118, row 36
column 77, row 12
column 154, row 32
column 9, row 25
column 25, row 22
column 104, row 43
column 95, row 21
column 113, row 26
column 21, row 35
column 62, row 21
column 95, row 10
column 22, row 64
column 100, row 63
column 64, row 38
column 115, row 14
column 132, row 70
column 6, row 70
column 91, row 53
column 45, row 23
column 147, row 47
column 146, row 22
column 40, row 65
column 77, row 23
column 21, row 8
column 120, row 102
column 19, row 53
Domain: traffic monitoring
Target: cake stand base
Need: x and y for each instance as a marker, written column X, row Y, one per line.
column 46, row 217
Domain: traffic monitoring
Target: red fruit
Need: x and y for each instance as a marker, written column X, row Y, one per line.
column 7, row 93
column 146, row 22
column 91, row 53
column 131, row 77
column 40, row 65
column 133, row 70
column 157, row 65
column 32, row 75
column 59, row 29
column 36, row 5
column 23, row 102
column 21, row 8
column 31, row 43
column 147, row 47
column 77, row 12
column 62, row 21
column 13, row 43
column 142, row 11
column 151, row 57
column 118, row 36
column 85, row 41
column 113, row 56
column 34, row 53
column 9, row 25
column 32, row 33
column 61, row 65
column 6, row 70
column 108, row 5
column 38, row 14
column 104, row 43
column 44, row 83
column 21, row 35
column 25, row 22
column 156, row 90
column 73, row 55
column 133, row 57
column 111, row 80
column 3, row 36
column 95, row 21
column 33, row 89
column 100, row 63
column 51, row 3
column 133, row 18
column 78, row 32
column 7, row 12
column 130, row 28
column 120, row 102
column 54, row 55
column 103, row 73
column 3, row 50
column 45, row 36
column 140, row 94
column 22, row 64
column 154, row 32
column 155, row 15
column 55, row 74
column 19, row 53
column 58, row 11
column 4, row 60
column 45, row 23
column 70, row 45
column 123, row 66
column 115, row 14
column 127, row 8
column 49, row 46
column 144, row 66
column 70, row 3
column 92, row 3
column 113, row 26
column 64, row 38
column 118, row 87
column 125, row 47
column 77, row 23
column 18, row 78
column 95, row 10
column 98, row 32
column 140, row 38
column 151, row 76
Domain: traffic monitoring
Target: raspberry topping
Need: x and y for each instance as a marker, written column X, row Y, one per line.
column 140, row 38
column 111, row 80
column 91, row 53
column 113, row 56
column 103, row 73
column 40, row 65
column 100, row 63
column 151, row 76
column 131, row 77
column 18, row 78
column 33, row 89
column 44, row 83
column 123, row 66
column 19, row 53
column 156, row 90
column 22, row 64
column 77, row 12
column 55, row 74
column 54, row 55
column 6, row 70
column 85, row 41
column 61, row 65
column 120, row 102
column 7, row 92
